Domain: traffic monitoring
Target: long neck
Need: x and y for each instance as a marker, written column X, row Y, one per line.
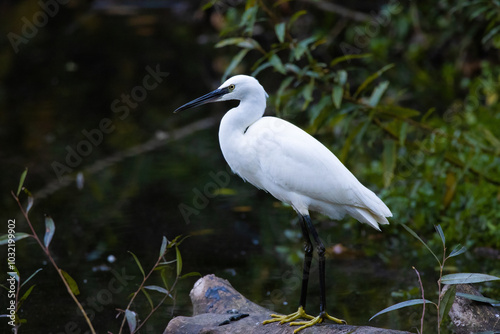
column 236, row 121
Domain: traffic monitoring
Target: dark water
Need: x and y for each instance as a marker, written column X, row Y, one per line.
column 90, row 95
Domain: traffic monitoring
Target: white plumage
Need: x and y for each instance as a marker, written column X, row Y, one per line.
column 275, row 155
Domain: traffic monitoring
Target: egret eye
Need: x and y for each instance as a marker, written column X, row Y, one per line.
column 231, row 88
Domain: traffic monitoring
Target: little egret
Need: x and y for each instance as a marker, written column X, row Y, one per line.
column 282, row 159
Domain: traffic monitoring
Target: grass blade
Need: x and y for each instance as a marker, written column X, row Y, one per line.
column 407, row 303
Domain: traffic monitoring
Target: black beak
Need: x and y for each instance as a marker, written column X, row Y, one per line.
column 207, row 98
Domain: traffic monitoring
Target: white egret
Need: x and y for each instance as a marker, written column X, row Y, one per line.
column 282, row 159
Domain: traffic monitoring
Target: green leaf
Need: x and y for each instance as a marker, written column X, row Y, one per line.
column 441, row 233
column 138, row 263
column 446, row 302
column 275, row 61
column 71, row 282
column 295, row 17
column 402, row 133
column 21, row 181
column 377, row 93
column 348, row 58
column 131, row 317
column 398, row 112
column 179, row 260
column 337, row 94
column 465, row 278
column 480, row 299
column 459, row 249
column 50, row 229
column 242, row 42
column 389, row 161
column 4, row 238
column 163, row 247
column 371, row 78
column 32, row 275
column 401, row 305
column 234, row 62
column 30, row 203
column 193, row 273
column 25, row 296
column 157, row 288
column 419, row 239
column 280, row 31
column 148, row 297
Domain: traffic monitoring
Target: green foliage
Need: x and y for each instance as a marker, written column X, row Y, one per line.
column 422, row 128
column 445, row 301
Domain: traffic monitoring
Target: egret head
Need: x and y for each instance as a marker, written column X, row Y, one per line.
column 239, row 87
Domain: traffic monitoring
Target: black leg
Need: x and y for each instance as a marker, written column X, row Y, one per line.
column 308, row 254
column 320, row 248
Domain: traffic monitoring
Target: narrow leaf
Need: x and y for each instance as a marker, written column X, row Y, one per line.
column 235, row 62
column 371, row 78
column 21, row 181
column 441, row 233
column 30, row 203
column 377, row 93
column 280, row 31
column 446, row 302
column 193, row 273
column 348, row 58
column 32, row 275
column 131, row 320
column 4, row 238
column 296, row 16
column 71, row 282
column 157, row 288
column 179, row 261
column 464, row 278
column 389, row 161
column 50, row 229
column 275, row 61
column 138, row 263
column 459, row 249
column 337, row 94
column 25, row 296
column 398, row 112
column 401, row 305
column 148, row 297
column 478, row 298
column 163, row 247
column 419, row 239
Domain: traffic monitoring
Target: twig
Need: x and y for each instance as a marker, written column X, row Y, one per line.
column 47, row 252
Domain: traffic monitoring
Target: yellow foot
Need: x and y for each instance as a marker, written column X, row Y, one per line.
column 314, row 321
column 300, row 314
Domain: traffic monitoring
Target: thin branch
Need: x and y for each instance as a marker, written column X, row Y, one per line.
column 423, row 298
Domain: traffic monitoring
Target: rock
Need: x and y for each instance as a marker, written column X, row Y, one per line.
column 219, row 308
column 469, row 316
